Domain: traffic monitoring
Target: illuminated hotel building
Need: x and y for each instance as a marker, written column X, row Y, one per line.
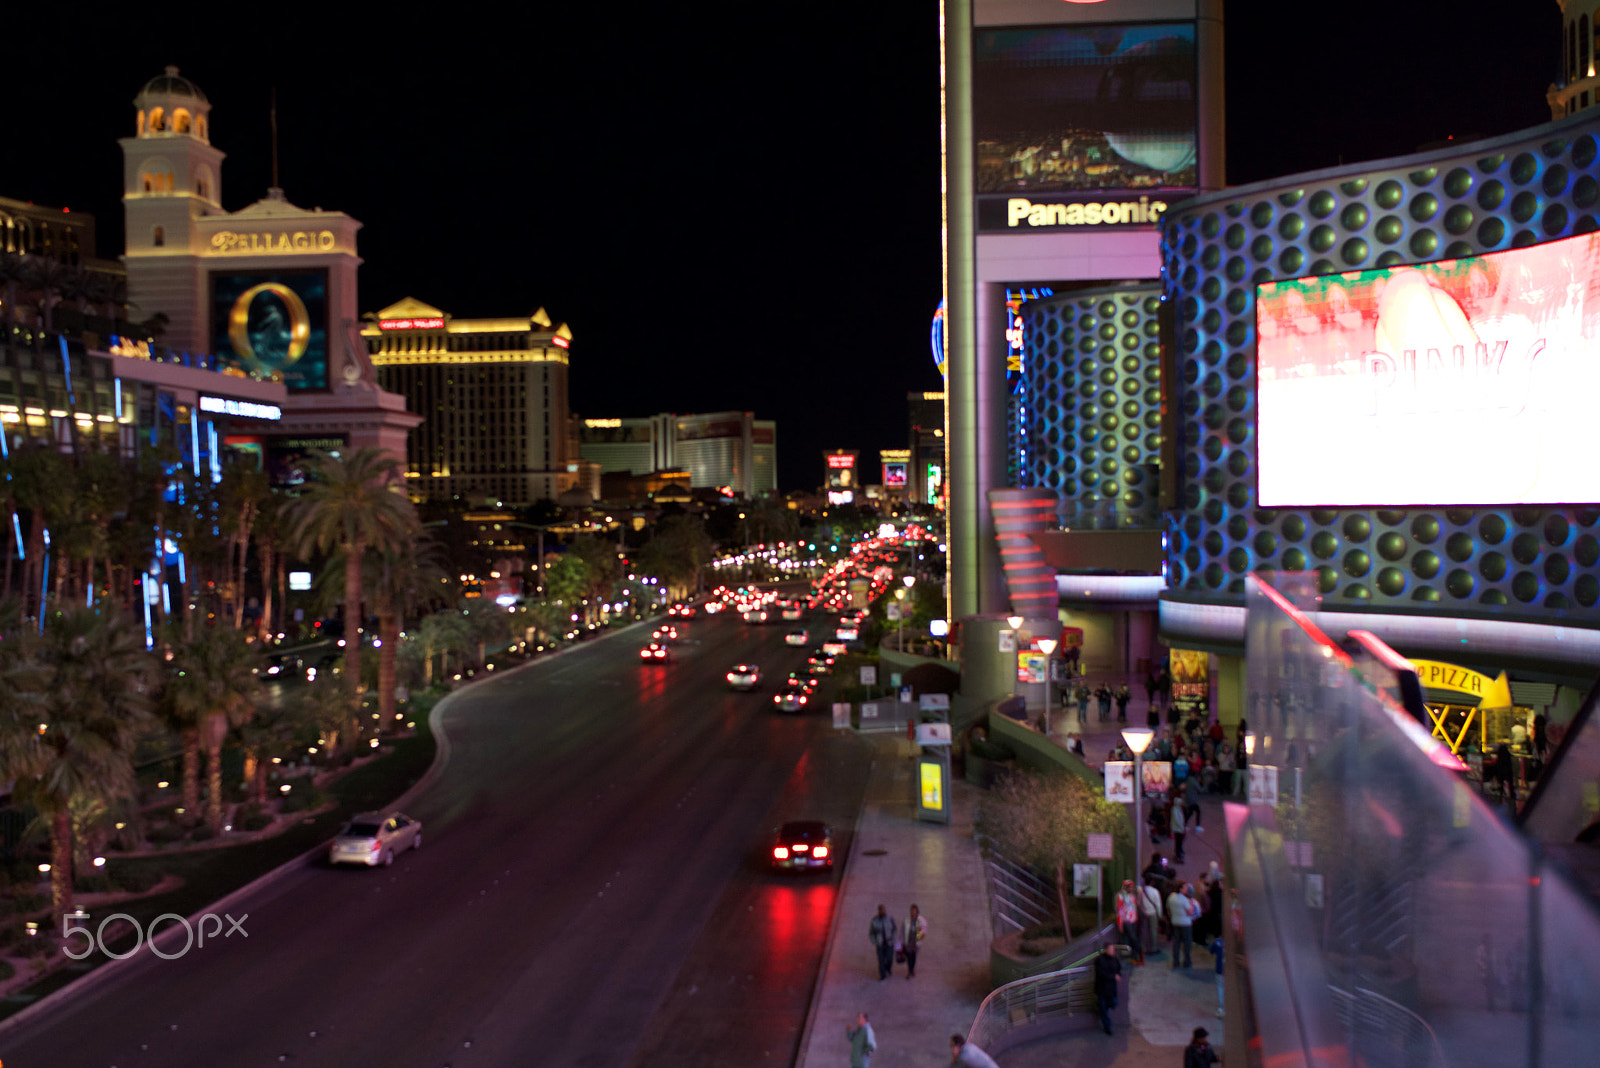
column 268, row 291
column 1579, row 87
column 493, row 397
column 732, row 450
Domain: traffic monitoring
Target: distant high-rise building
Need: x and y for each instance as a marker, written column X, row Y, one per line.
column 1579, row 87
column 926, row 475
column 719, row 449
column 493, row 397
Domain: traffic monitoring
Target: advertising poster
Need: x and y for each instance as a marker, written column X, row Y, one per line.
column 273, row 323
column 1157, row 776
column 894, row 474
column 1063, row 115
column 1191, row 679
column 1086, row 880
column 286, row 457
column 1367, row 381
column 1030, row 666
column 1119, row 781
column 931, row 782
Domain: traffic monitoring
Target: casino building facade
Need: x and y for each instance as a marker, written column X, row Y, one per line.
column 1371, row 380
column 493, row 397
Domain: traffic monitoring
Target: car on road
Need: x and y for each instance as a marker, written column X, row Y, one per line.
column 668, row 633
column 373, row 838
column 798, row 636
column 655, row 653
column 755, row 615
column 802, row 845
column 744, row 677
column 791, row 700
column 800, row 683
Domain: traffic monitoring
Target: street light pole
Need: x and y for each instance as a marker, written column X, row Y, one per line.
column 1138, row 740
column 1049, row 647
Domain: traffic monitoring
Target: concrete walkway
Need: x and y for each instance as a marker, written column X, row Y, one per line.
column 896, row 860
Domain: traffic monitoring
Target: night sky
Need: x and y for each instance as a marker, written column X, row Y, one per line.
column 732, row 205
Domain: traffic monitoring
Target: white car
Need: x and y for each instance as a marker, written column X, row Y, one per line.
column 798, row 636
column 744, row 677
column 373, row 838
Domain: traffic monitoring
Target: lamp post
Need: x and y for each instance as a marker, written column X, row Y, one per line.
column 1049, row 646
column 1137, row 740
column 900, row 617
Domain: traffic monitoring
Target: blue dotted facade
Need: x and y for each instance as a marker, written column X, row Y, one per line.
column 1529, row 562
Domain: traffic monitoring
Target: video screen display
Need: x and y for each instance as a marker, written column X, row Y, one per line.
column 273, row 323
column 1082, row 109
column 894, row 473
column 1468, row 381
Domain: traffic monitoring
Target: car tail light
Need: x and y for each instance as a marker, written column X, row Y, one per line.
column 820, row 852
column 801, row 847
column 802, row 699
column 375, row 846
column 780, row 852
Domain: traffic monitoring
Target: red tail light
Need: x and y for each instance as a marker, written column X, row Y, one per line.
column 820, row 852
column 780, row 852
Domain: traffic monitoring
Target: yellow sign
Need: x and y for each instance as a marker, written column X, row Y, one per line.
column 297, row 329
column 932, row 786
column 1435, row 675
column 233, row 242
column 1111, row 213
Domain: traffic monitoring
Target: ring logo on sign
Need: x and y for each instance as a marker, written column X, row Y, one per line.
column 1020, row 210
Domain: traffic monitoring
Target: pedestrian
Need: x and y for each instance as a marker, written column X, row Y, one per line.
column 1198, row 1053
column 1082, row 694
column 1103, row 696
column 916, row 931
column 1191, row 813
column 1179, row 829
column 863, row 1043
column 1107, row 974
column 966, row 1053
column 1123, row 697
column 882, row 931
column 1224, row 768
column 1181, row 911
column 1150, row 689
column 1150, row 912
column 1128, row 920
column 1216, row 952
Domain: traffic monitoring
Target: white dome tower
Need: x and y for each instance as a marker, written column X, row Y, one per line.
column 171, row 176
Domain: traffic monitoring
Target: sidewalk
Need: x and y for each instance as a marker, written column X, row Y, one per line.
column 896, row 860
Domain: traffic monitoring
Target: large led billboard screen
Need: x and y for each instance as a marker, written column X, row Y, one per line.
column 1063, row 115
column 273, row 323
column 1469, row 381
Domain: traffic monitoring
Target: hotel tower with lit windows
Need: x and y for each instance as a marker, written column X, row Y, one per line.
column 493, row 395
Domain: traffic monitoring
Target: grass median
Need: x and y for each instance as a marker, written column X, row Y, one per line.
column 211, row 874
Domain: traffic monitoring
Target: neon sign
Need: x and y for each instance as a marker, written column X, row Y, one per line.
column 230, row 241
column 247, row 409
column 837, row 460
column 410, row 324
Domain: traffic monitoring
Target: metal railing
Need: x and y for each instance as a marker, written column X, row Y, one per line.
column 1019, row 896
column 1024, row 1010
column 1386, row 1033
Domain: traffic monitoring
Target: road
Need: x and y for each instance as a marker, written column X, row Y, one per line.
column 590, row 893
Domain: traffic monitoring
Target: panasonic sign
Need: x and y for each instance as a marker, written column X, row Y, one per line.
column 247, row 409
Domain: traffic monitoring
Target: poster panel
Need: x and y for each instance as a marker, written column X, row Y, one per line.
column 1366, row 379
column 273, row 323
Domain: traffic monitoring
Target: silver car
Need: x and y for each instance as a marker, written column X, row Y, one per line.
column 373, row 838
column 744, row 677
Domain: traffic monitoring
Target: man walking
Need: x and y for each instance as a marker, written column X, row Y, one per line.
column 1198, row 1053
column 916, row 931
column 881, row 931
column 1123, row 697
column 1128, row 916
column 965, row 1053
column 1181, row 911
column 1150, row 908
column 863, row 1043
column 1179, row 828
column 1107, row 974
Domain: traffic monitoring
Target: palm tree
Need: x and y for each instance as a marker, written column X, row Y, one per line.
column 441, row 632
column 350, row 506
column 409, row 576
column 92, row 697
column 244, row 493
column 41, row 482
column 213, row 685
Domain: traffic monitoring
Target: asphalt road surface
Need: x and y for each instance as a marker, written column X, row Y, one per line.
column 590, row 892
